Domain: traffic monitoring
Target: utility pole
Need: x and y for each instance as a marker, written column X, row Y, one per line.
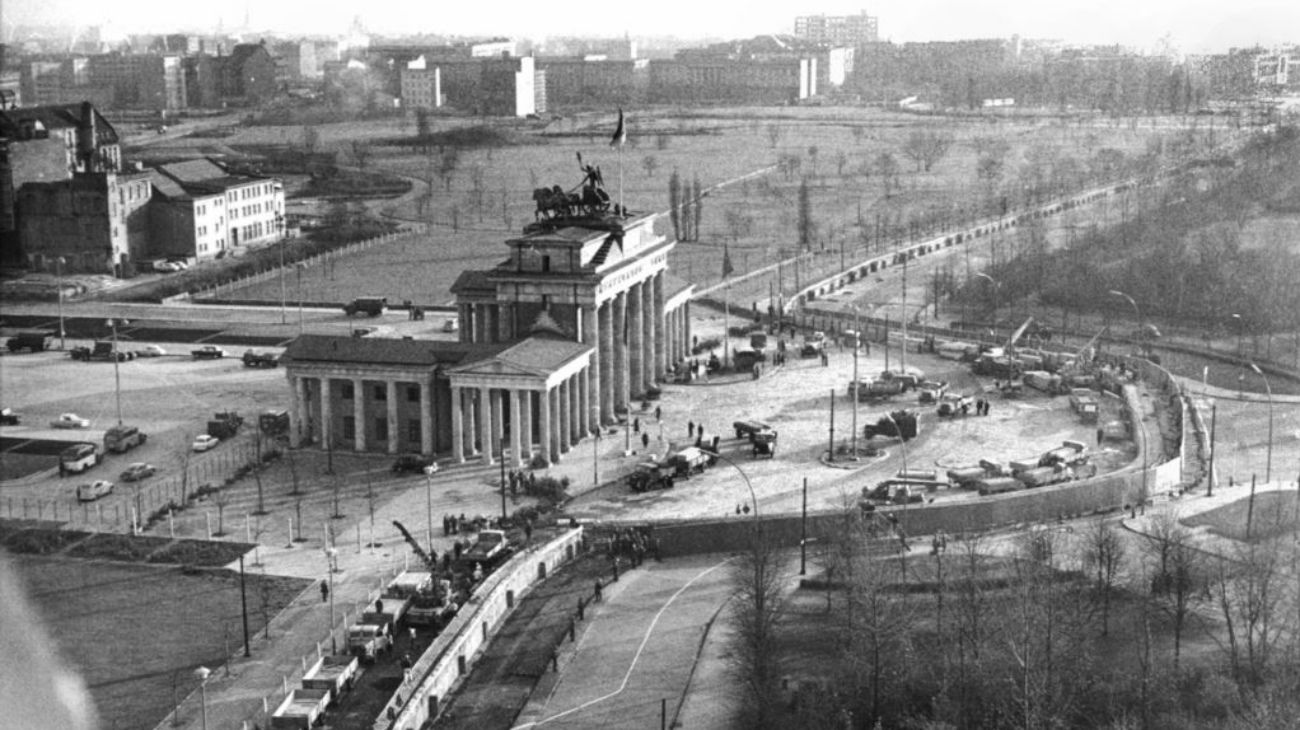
column 1214, row 418
column 830, row 453
column 803, row 532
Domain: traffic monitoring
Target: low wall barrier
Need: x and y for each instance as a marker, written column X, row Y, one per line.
column 448, row 660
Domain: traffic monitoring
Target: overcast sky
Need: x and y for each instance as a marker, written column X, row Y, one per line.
column 1193, row 25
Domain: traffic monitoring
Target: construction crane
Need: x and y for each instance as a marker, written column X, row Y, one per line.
column 429, row 561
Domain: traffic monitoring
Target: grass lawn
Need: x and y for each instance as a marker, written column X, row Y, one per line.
column 836, row 150
column 1275, row 514
column 136, row 632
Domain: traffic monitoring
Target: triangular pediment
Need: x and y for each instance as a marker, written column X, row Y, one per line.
column 495, row 366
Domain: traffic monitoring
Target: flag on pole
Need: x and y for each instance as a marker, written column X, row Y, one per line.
column 727, row 268
column 620, row 134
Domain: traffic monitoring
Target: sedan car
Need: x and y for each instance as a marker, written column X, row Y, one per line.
column 94, row 490
column 138, row 471
column 203, row 442
column 150, row 351
column 70, row 420
column 207, row 352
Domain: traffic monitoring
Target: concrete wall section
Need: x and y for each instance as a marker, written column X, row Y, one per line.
column 451, row 655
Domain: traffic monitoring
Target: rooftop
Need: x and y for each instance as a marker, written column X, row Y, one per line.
column 384, row 351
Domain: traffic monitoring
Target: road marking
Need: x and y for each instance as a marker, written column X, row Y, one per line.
column 635, row 658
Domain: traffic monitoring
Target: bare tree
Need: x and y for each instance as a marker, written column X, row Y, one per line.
column 675, row 203
column 1179, row 578
column 310, row 139
column 739, row 223
column 447, row 163
column 221, row 498
column 807, row 227
column 1250, row 597
column 886, row 166
column 926, row 147
column 361, row 153
column 1104, row 554
column 756, row 611
column 650, row 163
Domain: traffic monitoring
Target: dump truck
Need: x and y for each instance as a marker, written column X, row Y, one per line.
column 930, row 391
column 875, row 389
column 334, row 673
column 490, row 547
column 651, row 475
column 34, row 341
column 302, row 709
column 225, row 424
column 387, row 611
column 1069, row 453
column 998, row 485
column 367, row 641
column 1044, row 475
column 408, row 584
column 898, row 424
column 690, row 460
column 1045, row 382
column 1083, row 403
column 1002, row 368
column 747, row 429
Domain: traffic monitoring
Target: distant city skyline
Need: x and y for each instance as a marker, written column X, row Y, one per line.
column 1192, row 26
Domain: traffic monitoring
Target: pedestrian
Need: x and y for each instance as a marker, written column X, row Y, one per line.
column 410, row 633
column 1101, row 433
column 659, row 413
column 379, row 605
column 690, row 428
column 324, row 591
column 645, row 440
column 532, row 481
column 987, row 406
column 528, row 532
column 636, row 425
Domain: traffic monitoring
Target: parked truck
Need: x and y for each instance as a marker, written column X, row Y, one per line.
column 388, row 611
column 1046, row 382
column 225, row 424
column 334, row 673
column 367, row 641
column 372, row 306
column 650, row 475
column 490, row 547
column 1083, row 403
column 34, row 341
column 302, row 709
column 101, row 351
column 255, row 359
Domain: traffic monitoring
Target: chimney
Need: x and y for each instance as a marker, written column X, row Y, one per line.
column 86, row 136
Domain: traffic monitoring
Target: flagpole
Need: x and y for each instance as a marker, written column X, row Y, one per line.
column 726, row 323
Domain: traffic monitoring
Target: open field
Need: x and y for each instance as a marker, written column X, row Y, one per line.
column 137, row 632
column 488, row 197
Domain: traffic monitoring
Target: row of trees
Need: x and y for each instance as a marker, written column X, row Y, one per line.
column 1064, row 629
column 685, row 207
column 1185, row 251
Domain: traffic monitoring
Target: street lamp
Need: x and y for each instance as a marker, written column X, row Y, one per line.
column 58, row 265
column 280, row 226
column 117, row 372
column 1268, row 465
column 299, row 267
column 203, row 673
column 753, row 499
column 331, row 555
column 857, row 344
column 429, row 471
column 994, row 283
column 1241, row 326
column 1137, row 312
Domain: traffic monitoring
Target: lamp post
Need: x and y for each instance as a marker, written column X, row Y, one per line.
column 857, row 344
column 752, row 498
column 58, row 266
column 429, row 471
column 994, row 283
column 1137, row 313
column 280, row 226
column 299, row 267
column 1268, row 465
column 1241, row 325
column 203, row 673
column 331, row 555
column 117, row 372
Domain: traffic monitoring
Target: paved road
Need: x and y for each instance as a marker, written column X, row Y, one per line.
column 638, row 649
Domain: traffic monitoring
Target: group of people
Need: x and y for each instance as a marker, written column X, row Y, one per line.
column 633, row 545
column 517, row 479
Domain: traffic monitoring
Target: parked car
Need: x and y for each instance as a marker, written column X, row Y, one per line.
column 8, row 417
column 204, row 442
column 208, row 352
column 150, row 351
column 138, row 471
column 94, row 490
column 451, row 325
column 70, row 420
column 411, row 464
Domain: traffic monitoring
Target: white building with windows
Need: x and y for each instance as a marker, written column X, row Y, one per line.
column 204, row 211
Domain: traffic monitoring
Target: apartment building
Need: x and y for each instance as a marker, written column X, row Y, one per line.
column 838, row 30
column 141, row 82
